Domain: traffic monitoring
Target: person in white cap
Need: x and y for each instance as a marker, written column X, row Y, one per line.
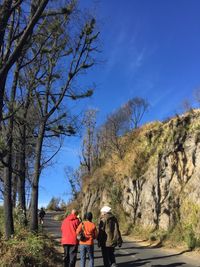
column 109, row 236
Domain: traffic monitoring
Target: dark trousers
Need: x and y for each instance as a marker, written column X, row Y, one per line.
column 70, row 255
column 108, row 256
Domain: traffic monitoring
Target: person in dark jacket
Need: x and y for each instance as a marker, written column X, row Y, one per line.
column 69, row 240
column 109, row 236
column 41, row 215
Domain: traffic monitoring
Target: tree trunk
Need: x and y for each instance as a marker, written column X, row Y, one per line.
column 14, row 190
column 22, row 179
column 8, row 216
column 8, row 205
column 35, row 183
column 22, row 157
column 2, row 91
column 5, row 11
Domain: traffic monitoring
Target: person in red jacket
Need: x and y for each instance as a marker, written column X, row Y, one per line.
column 69, row 240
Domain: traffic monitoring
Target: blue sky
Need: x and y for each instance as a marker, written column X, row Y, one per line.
column 150, row 49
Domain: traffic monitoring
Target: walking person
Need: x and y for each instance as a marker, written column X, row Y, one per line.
column 109, row 236
column 69, row 240
column 41, row 215
column 87, row 245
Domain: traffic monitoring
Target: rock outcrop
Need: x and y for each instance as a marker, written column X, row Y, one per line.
column 157, row 183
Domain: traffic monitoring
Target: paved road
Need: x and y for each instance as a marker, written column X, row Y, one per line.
column 132, row 253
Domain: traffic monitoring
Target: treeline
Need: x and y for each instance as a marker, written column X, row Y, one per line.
column 44, row 47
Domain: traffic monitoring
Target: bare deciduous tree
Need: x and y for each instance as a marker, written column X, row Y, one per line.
column 74, row 179
column 135, row 109
column 197, row 95
column 88, row 144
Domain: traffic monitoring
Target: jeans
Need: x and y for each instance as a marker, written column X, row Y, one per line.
column 87, row 249
column 70, row 254
column 108, row 256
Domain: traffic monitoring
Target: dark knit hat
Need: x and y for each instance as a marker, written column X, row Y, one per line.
column 89, row 216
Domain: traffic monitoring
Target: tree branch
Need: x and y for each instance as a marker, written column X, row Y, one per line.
column 28, row 31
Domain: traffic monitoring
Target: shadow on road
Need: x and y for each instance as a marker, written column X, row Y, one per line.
column 136, row 242
column 169, row 265
column 117, row 255
column 127, row 254
column 130, row 263
column 133, row 247
column 163, row 257
column 137, row 264
column 142, row 262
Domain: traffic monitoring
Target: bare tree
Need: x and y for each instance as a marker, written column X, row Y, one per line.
column 135, row 109
column 74, row 178
column 197, row 95
column 186, row 105
column 88, row 144
column 116, row 125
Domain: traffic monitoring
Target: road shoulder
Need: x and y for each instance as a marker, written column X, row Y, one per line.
column 192, row 256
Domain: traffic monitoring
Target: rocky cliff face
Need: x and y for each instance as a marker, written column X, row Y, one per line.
column 157, row 183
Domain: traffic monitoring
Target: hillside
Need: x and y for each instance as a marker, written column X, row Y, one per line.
column 156, row 184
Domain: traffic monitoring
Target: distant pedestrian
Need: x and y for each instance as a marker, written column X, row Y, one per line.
column 69, row 240
column 87, row 245
column 42, row 213
column 109, row 236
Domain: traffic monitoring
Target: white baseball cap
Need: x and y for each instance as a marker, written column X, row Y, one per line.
column 105, row 209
